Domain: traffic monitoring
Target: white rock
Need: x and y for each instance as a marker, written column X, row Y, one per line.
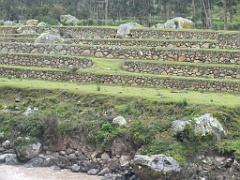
column 120, row 120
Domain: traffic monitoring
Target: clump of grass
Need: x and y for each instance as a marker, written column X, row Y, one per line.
column 183, row 102
column 98, row 88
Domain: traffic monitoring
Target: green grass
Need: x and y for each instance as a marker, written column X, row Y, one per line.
column 154, row 94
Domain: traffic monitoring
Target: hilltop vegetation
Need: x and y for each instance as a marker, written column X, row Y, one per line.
column 210, row 14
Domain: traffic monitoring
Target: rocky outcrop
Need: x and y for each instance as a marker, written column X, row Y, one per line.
column 25, row 150
column 9, row 23
column 155, row 167
column 68, row 20
column 119, row 120
column 49, row 37
column 32, row 22
column 204, row 124
column 124, row 30
column 9, row 159
column 179, row 22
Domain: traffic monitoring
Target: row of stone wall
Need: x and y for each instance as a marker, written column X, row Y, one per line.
column 45, row 61
column 175, row 83
column 136, row 42
column 226, row 40
column 18, row 40
column 147, row 43
column 182, row 70
column 183, row 55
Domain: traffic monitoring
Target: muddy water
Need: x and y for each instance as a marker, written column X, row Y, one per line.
column 22, row 173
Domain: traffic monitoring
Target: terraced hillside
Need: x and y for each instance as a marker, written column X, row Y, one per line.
column 79, row 88
column 189, row 60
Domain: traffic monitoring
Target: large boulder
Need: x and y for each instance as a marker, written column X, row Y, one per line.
column 68, row 20
column 9, row 159
column 9, row 23
column 179, row 22
column 32, row 22
column 124, row 29
column 119, row 120
column 35, row 162
column 204, row 124
column 49, row 37
column 26, row 150
column 155, row 167
column 26, row 30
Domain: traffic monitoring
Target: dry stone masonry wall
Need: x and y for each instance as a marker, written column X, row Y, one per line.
column 144, row 81
column 225, row 40
column 45, row 61
column 182, row 70
column 183, row 55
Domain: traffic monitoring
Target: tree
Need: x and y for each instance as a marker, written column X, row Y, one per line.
column 225, row 14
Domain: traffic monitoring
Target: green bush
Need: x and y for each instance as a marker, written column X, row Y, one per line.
column 183, row 103
column 46, row 19
column 82, row 23
column 89, row 22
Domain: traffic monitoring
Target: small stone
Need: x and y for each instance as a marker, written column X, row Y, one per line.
column 17, row 100
column 104, row 171
column 6, row 144
column 93, row 171
column 75, row 168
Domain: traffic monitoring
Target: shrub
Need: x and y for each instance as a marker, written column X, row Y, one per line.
column 47, row 20
column 82, row 23
column 183, row 102
column 89, row 21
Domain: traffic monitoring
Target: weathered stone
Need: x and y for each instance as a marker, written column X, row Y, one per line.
column 49, row 37
column 119, row 120
column 105, row 157
column 204, row 124
column 75, row 168
column 125, row 161
column 68, row 20
column 93, row 171
column 35, row 162
column 124, row 29
column 28, row 151
column 179, row 22
column 154, row 167
column 32, row 22
column 6, row 144
column 104, row 171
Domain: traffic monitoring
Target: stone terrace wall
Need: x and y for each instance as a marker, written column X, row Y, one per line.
column 19, row 40
column 182, row 70
column 8, row 30
column 183, row 84
column 45, row 61
column 186, row 55
column 101, row 32
column 87, row 32
column 229, row 41
column 148, row 43
column 174, row 34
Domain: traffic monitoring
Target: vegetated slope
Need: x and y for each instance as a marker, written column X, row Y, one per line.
column 64, row 114
column 74, row 112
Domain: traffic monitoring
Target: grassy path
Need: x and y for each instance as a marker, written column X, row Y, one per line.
column 164, row 95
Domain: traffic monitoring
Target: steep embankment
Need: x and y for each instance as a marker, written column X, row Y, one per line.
column 94, row 104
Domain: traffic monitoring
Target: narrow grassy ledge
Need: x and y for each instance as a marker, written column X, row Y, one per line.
column 154, row 94
column 146, row 40
column 113, row 67
column 18, row 35
column 132, row 79
column 17, row 39
column 230, row 66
